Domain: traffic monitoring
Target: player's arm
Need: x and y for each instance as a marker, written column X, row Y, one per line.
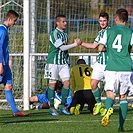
column 90, row 45
column 58, row 43
column 101, row 48
column 70, row 46
column 2, row 38
column 93, row 45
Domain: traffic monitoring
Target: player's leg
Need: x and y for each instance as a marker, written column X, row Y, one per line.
column 97, row 75
column 96, row 90
column 69, row 100
column 65, row 90
column 51, row 73
column 64, row 74
column 111, row 87
column 73, row 103
column 90, row 99
column 97, row 94
column 122, row 114
column 51, row 93
column 43, row 99
column 125, row 85
column 78, row 102
column 108, row 108
column 7, row 81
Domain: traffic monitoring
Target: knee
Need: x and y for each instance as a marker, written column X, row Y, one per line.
column 110, row 94
column 66, row 84
column 93, row 85
column 123, row 97
column 52, row 85
column 8, row 87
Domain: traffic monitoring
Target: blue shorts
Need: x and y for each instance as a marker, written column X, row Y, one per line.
column 6, row 76
column 42, row 98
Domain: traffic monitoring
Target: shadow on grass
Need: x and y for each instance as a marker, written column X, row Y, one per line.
column 115, row 112
column 128, row 131
column 35, row 117
column 27, row 121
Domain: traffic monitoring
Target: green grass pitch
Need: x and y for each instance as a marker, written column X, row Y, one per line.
column 40, row 121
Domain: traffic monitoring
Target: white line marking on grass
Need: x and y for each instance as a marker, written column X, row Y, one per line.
column 51, row 122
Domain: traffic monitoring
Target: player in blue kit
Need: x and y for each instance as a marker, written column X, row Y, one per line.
column 43, row 98
column 5, row 72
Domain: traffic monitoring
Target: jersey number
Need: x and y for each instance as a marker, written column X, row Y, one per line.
column 117, row 43
column 86, row 71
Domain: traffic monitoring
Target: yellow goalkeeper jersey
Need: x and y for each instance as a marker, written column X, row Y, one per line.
column 80, row 76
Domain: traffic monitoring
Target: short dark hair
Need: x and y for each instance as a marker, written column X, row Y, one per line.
column 58, row 85
column 81, row 61
column 104, row 15
column 11, row 14
column 122, row 14
column 59, row 16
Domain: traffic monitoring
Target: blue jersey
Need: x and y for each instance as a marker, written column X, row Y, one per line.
column 43, row 98
column 4, row 39
column 4, row 55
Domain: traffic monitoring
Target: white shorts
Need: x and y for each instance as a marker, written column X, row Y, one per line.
column 54, row 71
column 98, row 71
column 117, row 82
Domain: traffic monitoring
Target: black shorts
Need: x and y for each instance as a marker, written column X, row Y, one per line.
column 84, row 96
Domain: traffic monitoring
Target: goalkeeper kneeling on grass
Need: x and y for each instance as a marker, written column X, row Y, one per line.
column 43, row 98
column 80, row 76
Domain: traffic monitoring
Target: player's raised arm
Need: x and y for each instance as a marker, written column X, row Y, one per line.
column 70, row 46
column 90, row 45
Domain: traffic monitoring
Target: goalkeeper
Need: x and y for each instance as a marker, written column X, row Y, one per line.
column 43, row 98
column 80, row 76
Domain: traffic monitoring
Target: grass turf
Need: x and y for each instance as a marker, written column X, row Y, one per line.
column 40, row 121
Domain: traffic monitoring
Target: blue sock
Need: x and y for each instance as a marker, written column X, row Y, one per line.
column 39, row 107
column 10, row 100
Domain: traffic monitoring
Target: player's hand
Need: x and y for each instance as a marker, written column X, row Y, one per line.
column 78, row 41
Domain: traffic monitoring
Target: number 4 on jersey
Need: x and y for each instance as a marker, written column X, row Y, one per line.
column 117, row 43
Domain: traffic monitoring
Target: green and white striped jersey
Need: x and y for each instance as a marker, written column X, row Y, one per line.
column 55, row 55
column 118, row 41
column 102, row 56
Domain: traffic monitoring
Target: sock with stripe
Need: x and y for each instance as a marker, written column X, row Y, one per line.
column 122, row 112
column 51, row 94
column 97, row 95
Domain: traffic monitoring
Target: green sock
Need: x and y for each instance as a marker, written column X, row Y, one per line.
column 64, row 92
column 97, row 95
column 51, row 96
column 122, row 112
column 109, row 103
